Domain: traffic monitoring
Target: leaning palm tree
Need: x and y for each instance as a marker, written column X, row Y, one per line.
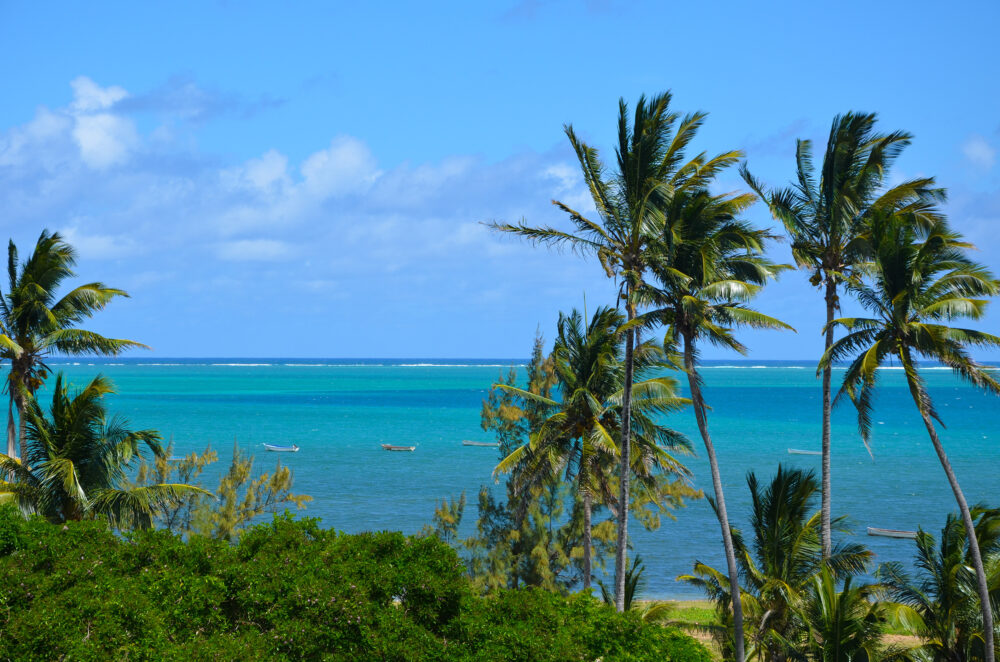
column 921, row 279
column 77, row 462
column 940, row 604
column 651, row 164
column 708, row 265
column 779, row 564
column 579, row 437
column 826, row 217
column 35, row 322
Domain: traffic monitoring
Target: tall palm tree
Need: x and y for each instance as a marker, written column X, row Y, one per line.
column 940, row 604
column 824, row 219
column 650, row 166
column 781, row 563
column 921, row 279
column 708, row 265
column 579, row 437
column 77, row 462
column 35, row 323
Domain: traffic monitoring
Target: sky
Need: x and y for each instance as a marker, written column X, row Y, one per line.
column 311, row 179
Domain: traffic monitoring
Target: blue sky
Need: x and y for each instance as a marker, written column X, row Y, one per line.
column 309, row 179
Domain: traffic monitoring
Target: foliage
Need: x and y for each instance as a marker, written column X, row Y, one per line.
column 536, row 536
column 35, row 323
column 826, row 217
column 941, row 604
column 651, row 611
column 288, row 590
column 842, row 626
column 239, row 498
column 780, row 564
column 525, row 539
column 580, row 435
column 921, row 278
column 77, row 462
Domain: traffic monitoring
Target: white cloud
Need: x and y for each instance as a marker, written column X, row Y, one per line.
column 98, row 246
column 348, row 166
column 266, row 174
column 268, row 171
column 88, row 96
column 254, row 250
column 979, row 152
column 105, row 139
column 570, row 188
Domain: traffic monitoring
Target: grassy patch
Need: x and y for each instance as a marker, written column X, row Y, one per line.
column 693, row 612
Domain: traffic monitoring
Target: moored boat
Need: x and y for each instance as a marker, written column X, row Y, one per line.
column 466, row 442
column 391, row 447
column 891, row 533
column 796, row 451
column 282, row 449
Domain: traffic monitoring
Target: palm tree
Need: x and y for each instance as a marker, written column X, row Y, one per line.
column 651, row 611
column 650, row 166
column 941, row 605
column 708, row 265
column 579, row 435
column 34, row 323
column 921, row 279
column 77, row 459
column 842, row 626
column 785, row 557
column 826, row 217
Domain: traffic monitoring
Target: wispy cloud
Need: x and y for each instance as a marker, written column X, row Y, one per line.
column 979, row 152
column 182, row 97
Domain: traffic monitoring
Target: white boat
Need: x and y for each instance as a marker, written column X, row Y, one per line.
column 891, row 533
column 494, row 444
column 796, row 451
column 282, row 449
column 391, row 447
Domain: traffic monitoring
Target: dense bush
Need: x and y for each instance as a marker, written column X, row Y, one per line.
column 288, row 590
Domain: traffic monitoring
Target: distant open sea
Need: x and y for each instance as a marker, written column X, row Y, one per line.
column 339, row 411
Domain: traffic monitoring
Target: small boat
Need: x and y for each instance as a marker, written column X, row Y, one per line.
column 494, row 444
column 282, row 449
column 796, row 451
column 390, row 447
column 891, row 533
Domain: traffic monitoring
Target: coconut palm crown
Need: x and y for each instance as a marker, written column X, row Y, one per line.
column 78, row 459
column 35, row 322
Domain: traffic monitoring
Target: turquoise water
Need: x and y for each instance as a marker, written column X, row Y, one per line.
column 339, row 413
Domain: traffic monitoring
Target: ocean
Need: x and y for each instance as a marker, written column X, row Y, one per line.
column 339, row 411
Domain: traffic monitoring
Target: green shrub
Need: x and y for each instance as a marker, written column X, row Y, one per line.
column 289, row 590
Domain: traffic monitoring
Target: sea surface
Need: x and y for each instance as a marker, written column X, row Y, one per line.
column 339, row 411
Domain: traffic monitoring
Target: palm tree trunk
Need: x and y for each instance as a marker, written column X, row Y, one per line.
column 720, row 500
column 11, row 430
column 970, row 531
column 586, row 538
column 22, row 425
column 626, row 466
column 831, row 306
